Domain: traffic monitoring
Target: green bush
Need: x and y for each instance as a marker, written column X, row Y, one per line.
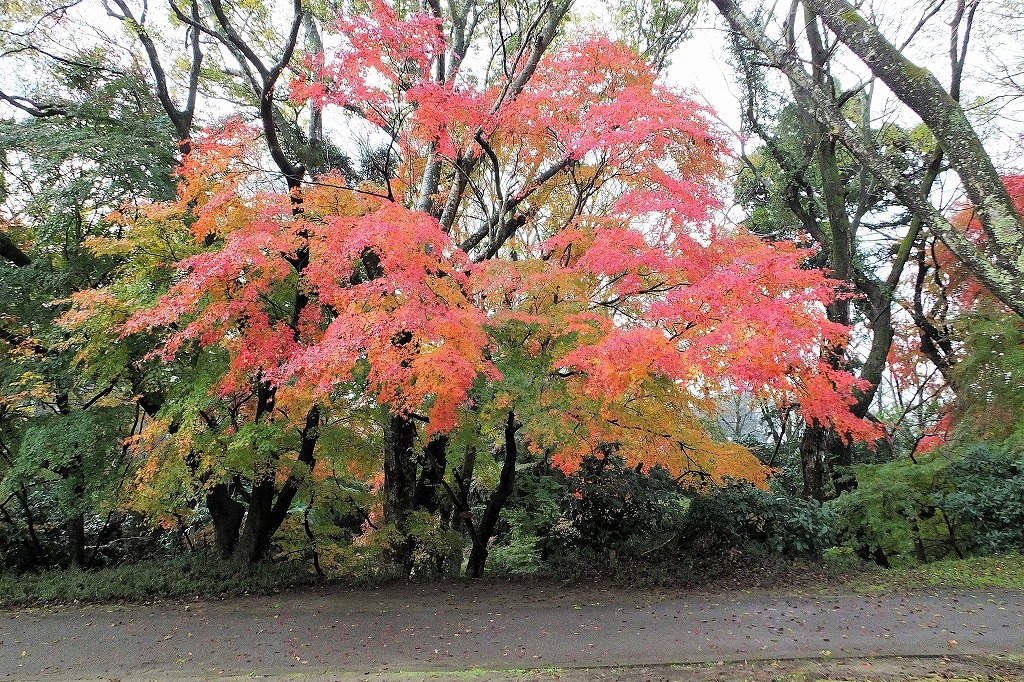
column 535, row 506
column 740, row 515
column 887, row 517
column 611, row 510
column 987, row 498
column 627, row 520
column 518, row 551
column 185, row 576
column 950, row 501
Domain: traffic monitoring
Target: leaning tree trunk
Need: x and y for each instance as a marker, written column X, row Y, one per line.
column 916, row 87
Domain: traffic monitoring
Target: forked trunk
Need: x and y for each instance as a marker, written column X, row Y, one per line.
column 254, row 541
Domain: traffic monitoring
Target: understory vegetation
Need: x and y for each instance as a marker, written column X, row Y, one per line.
column 951, row 519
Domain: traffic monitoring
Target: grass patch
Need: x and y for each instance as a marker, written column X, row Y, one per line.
column 1002, row 571
column 995, row 571
column 936, row 678
column 188, row 576
column 208, row 576
column 845, row 572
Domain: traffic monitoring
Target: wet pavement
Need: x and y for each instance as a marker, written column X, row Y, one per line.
column 462, row 626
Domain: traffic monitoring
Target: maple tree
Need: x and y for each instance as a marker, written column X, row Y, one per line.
column 533, row 260
column 450, row 258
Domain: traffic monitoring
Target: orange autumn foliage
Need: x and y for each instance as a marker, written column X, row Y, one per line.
column 610, row 314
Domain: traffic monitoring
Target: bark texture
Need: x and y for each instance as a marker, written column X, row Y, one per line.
column 916, row 87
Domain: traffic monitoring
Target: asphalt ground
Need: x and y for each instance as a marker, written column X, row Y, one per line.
column 429, row 630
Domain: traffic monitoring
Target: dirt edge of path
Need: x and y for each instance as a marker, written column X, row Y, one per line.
column 875, row 669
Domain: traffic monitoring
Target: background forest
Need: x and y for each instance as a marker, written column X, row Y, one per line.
column 377, row 290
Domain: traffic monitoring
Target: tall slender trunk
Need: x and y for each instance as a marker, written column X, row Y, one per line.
column 30, row 522
column 506, row 484
column 76, row 539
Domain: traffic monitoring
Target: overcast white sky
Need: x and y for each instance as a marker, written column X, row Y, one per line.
column 700, row 65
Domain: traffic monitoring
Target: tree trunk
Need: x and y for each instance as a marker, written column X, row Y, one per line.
column 399, row 469
column 76, row 540
column 435, row 460
column 916, row 87
column 427, row 497
column 506, row 484
column 400, row 482
column 10, row 252
column 30, row 523
column 268, row 506
column 255, row 538
column 812, row 460
column 226, row 513
column 840, row 468
column 1005, row 278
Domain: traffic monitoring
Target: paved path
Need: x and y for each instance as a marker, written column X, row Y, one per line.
column 494, row 625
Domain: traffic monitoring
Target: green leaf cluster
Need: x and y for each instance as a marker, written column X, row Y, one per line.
column 951, row 501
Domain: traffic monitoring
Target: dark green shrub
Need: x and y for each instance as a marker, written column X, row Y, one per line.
column 622, row 517
column 949, row 501
column 610, row 507
column 523, row 539
column 986, row 497
column 744, row 517
column 184, row 576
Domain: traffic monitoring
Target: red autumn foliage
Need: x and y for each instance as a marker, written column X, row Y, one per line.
column 640, row 307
